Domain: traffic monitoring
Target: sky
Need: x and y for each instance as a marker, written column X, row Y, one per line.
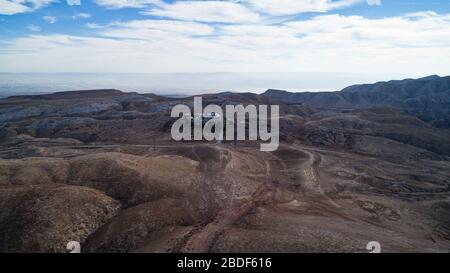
column 174, row 36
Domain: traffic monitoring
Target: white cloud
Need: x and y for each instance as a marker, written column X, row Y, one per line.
column 36, row 3
column 159, row 26
column 202, row 11
column 182, row 40
column 50, row 19
column 273, row 7
column 205, row 11
column 156, row 31
column 93, row 26
column 416, row 43
column 287, row 7
column 73, row 2
column 10, row 7
column 81, row 15
column 118, row 4
column 374, row 2
column 34, row 28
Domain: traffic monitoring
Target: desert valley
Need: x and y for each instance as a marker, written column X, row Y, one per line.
column 368, row 163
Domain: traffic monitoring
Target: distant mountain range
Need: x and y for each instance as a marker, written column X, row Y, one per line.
column 427, row 98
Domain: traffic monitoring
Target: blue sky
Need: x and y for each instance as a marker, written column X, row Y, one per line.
column 364, row 36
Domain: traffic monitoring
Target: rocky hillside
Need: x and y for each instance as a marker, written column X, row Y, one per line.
column 427, row 98
column 99, row 167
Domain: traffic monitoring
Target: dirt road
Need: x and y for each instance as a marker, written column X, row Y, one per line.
column 202, row 241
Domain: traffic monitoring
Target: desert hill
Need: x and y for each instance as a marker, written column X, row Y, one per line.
column 99, row 167
column 426, row 98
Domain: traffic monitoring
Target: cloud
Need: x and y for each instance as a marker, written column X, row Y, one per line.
column 74, row 2
column 34, row 28
column 118, row 4
column 81, row 15
column 50, row 19
column 11, row 7
column 288, row 7
column 216, row 10
column 214, row 36
column 205, row 11
column 374, row 2
column 93, row 26
column 417, row 43
column 140, row 27
column 36, row 3
column 272, row 7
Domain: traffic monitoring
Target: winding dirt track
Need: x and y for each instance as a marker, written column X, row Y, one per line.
column 202, row 237
column 202, row 241
column 312, row 181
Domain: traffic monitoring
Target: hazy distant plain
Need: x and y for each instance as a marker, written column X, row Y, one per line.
column 183, row 83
